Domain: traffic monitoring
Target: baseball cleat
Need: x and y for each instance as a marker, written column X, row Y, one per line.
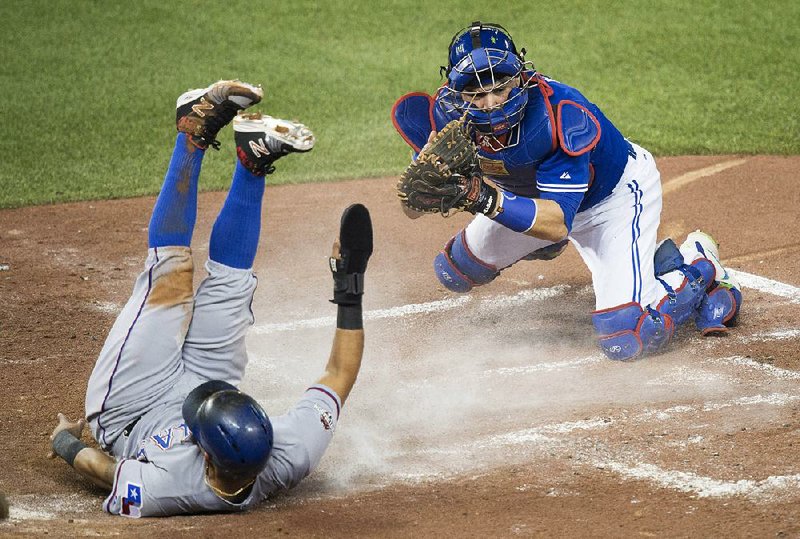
column 201, row 113
column 262, row 139
column 704, row 245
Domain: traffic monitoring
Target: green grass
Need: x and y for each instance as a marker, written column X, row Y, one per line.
column 88, row 87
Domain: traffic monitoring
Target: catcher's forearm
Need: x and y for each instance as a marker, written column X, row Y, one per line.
column 91, row 463
column 535, row 217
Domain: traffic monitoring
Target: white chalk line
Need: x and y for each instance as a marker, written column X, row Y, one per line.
column 689, row 177
column 550, row 436
column 762, row 284
column 747, row 280
column 547, row 366
column 765, row 368
column 484, row 304
column 704, row 487
column 48, row 506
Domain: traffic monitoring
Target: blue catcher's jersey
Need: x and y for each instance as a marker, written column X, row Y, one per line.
column 564, row 149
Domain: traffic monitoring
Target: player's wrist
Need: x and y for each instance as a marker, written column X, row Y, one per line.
column 350, row 317
column 67, row 446
column 486, row 198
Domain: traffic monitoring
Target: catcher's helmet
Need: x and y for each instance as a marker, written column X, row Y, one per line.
column 230, row 426
column 482, row 58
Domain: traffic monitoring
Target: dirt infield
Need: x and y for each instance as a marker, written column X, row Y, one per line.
column 492, row 414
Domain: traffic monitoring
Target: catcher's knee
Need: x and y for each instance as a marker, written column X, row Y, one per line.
column 628, row 331
column 458, row 269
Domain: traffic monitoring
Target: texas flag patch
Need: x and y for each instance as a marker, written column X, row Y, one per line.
column 132, row 501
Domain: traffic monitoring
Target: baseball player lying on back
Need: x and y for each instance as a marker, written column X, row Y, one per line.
column 541, row 165
column 176, row 435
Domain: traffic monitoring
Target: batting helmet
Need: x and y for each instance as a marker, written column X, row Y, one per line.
column 483, row 58
column 230, row 426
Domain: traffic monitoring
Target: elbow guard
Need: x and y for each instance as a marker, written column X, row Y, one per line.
column 458, row 269
column 627, row 331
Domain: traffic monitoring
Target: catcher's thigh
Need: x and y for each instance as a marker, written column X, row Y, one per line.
column 141, row 359
column 495, row 245
column 617, row 237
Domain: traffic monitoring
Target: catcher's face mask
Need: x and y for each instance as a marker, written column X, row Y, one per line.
column 484, row 79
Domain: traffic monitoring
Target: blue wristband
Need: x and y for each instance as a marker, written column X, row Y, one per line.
column 518, row 213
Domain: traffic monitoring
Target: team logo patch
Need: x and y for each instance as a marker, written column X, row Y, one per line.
column 325, row 417
column 493, row 167
column 132, row 501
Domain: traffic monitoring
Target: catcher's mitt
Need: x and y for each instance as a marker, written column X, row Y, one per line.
column 444, row 175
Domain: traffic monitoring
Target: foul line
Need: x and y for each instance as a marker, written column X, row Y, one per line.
column 704, row 487
column 689, row 177
column 762, row 284
column 492, row 303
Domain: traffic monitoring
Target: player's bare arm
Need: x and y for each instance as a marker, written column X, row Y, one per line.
column 348, row 263
column 89, row 462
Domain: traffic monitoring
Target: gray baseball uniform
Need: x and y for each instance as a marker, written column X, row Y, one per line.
column 165, row 342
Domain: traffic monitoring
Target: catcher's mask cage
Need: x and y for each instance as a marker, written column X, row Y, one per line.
column 230, row 426
column 483, row 59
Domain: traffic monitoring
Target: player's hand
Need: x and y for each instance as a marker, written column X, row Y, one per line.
column 411, row 214
column 73, row 427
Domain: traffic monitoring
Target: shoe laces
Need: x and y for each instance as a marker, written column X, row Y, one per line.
column 223, row 114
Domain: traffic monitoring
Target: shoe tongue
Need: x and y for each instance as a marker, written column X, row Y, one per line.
column 241, row 100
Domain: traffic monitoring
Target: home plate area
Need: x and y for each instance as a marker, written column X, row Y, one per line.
column 451, row 388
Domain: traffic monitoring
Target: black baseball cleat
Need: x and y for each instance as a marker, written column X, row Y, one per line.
column 351, row 254
column 261, row 140
column 203, row 112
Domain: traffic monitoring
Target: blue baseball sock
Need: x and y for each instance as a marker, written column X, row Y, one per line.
column 175, row 212
column 234, row 238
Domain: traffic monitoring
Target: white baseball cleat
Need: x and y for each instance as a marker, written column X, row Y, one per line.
column 700, row 244
column 262, row 139
column 201, row 113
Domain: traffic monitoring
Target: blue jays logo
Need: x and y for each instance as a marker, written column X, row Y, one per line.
column 132, row 501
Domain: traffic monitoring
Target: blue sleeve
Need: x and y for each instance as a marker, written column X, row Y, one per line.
column 564, row 179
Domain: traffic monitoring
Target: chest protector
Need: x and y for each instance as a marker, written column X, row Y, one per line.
column 553, row 120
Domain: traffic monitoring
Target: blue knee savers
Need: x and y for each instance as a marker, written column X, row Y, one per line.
column 718, row 310
column 458, row 269
column 628, row 331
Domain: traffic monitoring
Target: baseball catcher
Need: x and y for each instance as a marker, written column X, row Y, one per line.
column 175, row 434
column 539, row 165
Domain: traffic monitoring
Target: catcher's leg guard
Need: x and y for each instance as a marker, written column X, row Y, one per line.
column 458, row 269
column 718, row 310
column 627, row 331
column 681, row 303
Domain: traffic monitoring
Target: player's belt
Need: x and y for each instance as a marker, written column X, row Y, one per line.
column 127, row 430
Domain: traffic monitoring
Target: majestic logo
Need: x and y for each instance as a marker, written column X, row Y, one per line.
column 132, row 501
column 203, row 105
column 565, row 176
column 259, row 148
